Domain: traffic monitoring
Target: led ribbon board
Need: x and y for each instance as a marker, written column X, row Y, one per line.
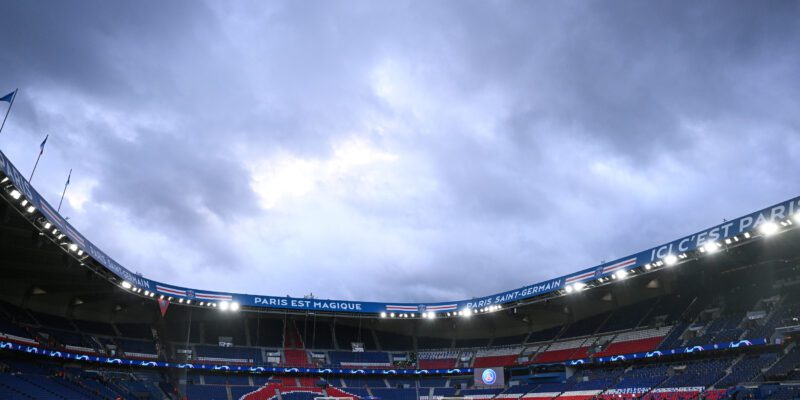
column 258, row 369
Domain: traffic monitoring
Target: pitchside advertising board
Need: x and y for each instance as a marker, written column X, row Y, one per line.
column 489, row 377
column 719, row 232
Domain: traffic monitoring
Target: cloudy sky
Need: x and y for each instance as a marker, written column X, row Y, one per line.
column 413, row 151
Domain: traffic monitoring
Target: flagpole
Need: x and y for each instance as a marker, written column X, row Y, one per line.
column 8, row 110
column 65, row 191
column 34, row 167
column 41, row 151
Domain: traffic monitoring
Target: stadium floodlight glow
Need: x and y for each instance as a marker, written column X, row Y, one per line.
column 234, row 306
column 170, row 298
column 4, row 180
column 568, row 288
column 391, row 315
column 711, row 247
column 383, row 314
column 73, row 247
column 126, row 284
column 578, row 286
column 15, row 194
column 47, row 225
column 152, row 294
column 147, row 293
column 413, row 315
column 670, row 259
column 796, row 217
column 161, row 297
column 467, row 312
column 747, row 235
column 224, row 305
column 768, row 228
column 24, row 202
column 189, row 301
column 620, row 275
column 648, row 266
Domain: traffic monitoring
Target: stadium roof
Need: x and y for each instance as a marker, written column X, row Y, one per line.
column 771, row 220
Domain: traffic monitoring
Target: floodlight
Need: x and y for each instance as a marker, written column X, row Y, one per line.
column 768, row 228
column 234, row 306
column 15, row 194
column 670, row 259
column 391, row 315
column 224, row 305
column 569, row 288
column 126, row 284
column 383, row 314
column 578, row 286
column 710, row 247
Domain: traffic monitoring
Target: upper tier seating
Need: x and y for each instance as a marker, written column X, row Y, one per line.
column 370, row 359
column 315, row 335
column 437, row 359
column 562, row 351
column 347, row 334
column 497, row 357
column 635, row 342
column 231, row 355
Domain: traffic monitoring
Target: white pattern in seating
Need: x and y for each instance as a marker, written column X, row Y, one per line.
column 642, row 334
column 569, row 344
column 437, row 355
column 499, row 351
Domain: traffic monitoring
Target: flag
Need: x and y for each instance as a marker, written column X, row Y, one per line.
column 7, row 98
column 41, row 146
column 163, row 304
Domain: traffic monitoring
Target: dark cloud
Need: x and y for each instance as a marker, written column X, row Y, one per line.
column 400, row 151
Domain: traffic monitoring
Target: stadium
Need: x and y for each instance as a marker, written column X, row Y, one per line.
column 484, row 200
column 710, row 315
